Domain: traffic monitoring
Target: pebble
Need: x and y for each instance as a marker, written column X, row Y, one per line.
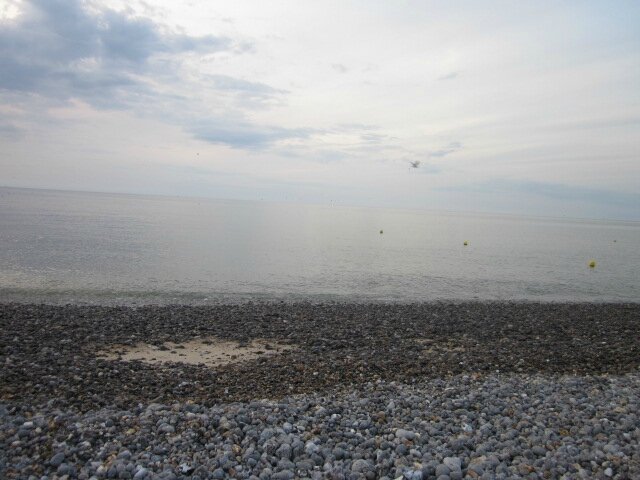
column 377, row 409
column 57, row 459
column 453, row 463
column 140, row 474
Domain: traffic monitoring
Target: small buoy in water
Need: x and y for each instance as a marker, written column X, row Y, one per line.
column 466, row 243
column 592, row 264
column 381, row 232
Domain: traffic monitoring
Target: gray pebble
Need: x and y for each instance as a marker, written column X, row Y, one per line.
column 57, row 459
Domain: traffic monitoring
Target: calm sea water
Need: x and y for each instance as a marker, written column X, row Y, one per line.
column 103, row 248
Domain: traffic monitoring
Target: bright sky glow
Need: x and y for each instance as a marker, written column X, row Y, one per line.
column 522, row 107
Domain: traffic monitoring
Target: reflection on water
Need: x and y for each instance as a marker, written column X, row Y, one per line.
column 100, row 247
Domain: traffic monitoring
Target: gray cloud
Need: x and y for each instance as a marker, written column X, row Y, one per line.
column 357, row 126
column 58, row 49
column 9, row 130
column 338, row 67
column 368, row 135
column 448, row 150
column 246, row 93
column 449, row 76
column 224, row 82
column 373, row 138
column 244, row 135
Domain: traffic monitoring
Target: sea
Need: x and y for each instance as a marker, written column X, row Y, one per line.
column 98, row 248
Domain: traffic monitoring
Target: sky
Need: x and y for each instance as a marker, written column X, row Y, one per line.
column 528, row 107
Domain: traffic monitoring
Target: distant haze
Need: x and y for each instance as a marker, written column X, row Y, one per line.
column 517, row 107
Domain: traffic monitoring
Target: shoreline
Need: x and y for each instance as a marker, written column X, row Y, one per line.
column 164, row 298
column 456, row 369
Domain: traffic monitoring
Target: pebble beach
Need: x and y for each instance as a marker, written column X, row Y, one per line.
column 340, row 391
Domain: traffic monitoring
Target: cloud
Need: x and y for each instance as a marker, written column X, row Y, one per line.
column 362, row 133
column 246, row 93
column 244, row 135
column 224, row 82
column 357, row 126
column 59, row 49
column 9, row 130
column 62, row 51
column 449, row 76
column 338, row 67
column 448, row 150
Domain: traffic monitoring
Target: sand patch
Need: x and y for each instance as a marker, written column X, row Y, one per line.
column 211, row 352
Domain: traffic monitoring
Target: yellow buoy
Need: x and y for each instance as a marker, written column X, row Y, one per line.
column 466, row 243
column 592, row 264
